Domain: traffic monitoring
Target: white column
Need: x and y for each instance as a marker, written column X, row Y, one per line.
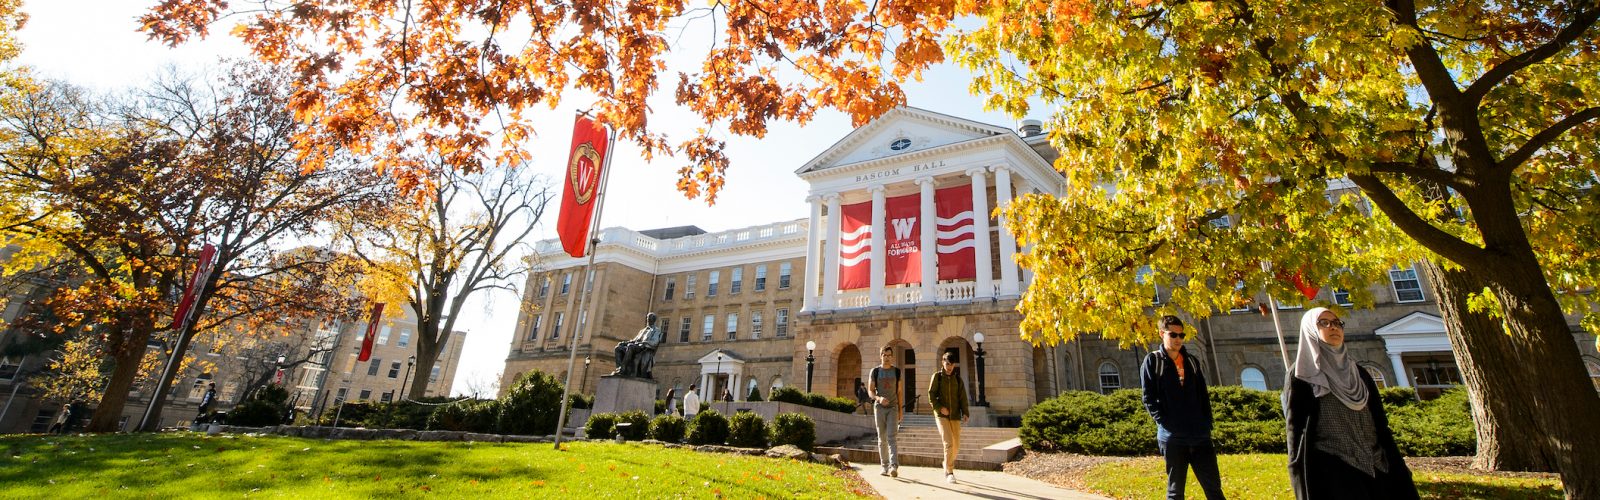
column 812, row 284
column 830, row 255
column 1008, row 241
column 875, row 296
column 930, row 249
column 1400, row 379
column 733, row 386
column 980, row 212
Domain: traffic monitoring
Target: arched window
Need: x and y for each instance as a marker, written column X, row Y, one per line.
column 1376, row 374
column 1252, row 378
column 1110, row 377
column 752, row 388
column 777, row 383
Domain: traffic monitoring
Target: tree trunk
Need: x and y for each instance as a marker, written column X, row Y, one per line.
column 1544, row 357
column 125, row 355
column 1500, row 396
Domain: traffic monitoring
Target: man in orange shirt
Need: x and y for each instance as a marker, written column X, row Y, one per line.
column 1176, row 397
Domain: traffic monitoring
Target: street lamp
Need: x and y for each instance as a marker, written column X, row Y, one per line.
column 811, row 362
column 978, row 337
column 410, row 361
column 717, row 377
column 583, row 386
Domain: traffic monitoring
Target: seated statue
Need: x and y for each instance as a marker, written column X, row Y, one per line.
column 636, row 357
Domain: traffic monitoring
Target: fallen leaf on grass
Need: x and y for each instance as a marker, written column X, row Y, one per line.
column 538, row 484
column 425, row 488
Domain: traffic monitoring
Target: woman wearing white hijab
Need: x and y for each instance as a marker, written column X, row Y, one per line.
column 1340, row 445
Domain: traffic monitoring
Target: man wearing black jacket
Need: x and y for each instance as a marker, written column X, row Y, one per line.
column 1175, row 395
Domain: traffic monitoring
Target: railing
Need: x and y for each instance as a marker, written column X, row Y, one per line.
column 852, row 300
column 961, row 290
column 907, row 295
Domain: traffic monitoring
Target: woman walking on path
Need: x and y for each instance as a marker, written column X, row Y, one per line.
column 672, row 401
column 886, row 411
column 1340, row 445
column 949, row 399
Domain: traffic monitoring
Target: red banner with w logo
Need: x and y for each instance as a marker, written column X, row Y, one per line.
column 855, row 246
column 580, row 185
column 957, row 237
column 372, row 332
column 903, row 258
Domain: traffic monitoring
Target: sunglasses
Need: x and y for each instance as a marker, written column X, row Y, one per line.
column 1325, row 323
column 1176, row 335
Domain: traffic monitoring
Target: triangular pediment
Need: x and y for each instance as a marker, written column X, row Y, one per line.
column 900, row 131
column 727, row 357
column 1416, row 323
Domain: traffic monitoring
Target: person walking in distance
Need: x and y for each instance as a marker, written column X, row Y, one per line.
column 886, row 410
column 1175, row 395
column 949, row 399
column 672, row 401
column 691, row 403
column 1340, row 445
column 206, row 401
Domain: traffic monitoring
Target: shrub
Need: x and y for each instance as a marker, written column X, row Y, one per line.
column 668, row 428
column 842, row 405
column 1395, row 397
column 815, row 400
column 268, row 406
column 660, row 406
column 1090, row 423
column 755, row 394
column 638, row 425
column 1232, row 403
column 747, row 430
column 708, row 427
column 581, row 401
column 531, row 406
column 1436, row 428
column 601, row 426
column 794, row 428
column 1266, row 436
column 467, row 416
column 788, row 395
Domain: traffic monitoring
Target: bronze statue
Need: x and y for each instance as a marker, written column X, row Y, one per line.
column 637, row 358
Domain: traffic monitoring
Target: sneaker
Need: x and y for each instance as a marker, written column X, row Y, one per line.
column 884, row 473
column 895, row 472
column 950, row 478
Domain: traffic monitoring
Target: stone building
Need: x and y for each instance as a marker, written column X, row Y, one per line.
column 740, row 307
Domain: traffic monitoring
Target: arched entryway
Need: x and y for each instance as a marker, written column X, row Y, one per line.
column 965, row 369
column 849, row 371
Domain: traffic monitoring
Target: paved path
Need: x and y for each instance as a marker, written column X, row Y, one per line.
column 928, row 482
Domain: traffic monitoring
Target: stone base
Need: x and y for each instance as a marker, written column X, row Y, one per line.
column 620, row 394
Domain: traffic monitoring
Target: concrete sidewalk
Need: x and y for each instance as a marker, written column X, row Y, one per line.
column 928, row 482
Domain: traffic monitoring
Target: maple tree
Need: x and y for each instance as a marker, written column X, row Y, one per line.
column 1467, row 132
column 463, row 238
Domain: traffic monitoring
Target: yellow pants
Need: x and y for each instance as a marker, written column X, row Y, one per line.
column 950, row 434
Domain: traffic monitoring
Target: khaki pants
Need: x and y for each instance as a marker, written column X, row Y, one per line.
column 950, row 433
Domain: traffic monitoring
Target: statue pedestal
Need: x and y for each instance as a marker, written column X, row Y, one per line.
column 620, row 394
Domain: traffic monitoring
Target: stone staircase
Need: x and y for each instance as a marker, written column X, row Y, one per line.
column 982, row 448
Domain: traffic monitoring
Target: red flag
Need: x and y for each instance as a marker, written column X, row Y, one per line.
column 1298, row 279
column 957, row 239
column 372, row 332
column 581, row 184
column 855, row 246
column 202, row 271
column 903, row 261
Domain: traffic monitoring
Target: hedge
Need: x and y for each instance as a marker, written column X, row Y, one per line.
column 794, row 428
column 600, row 426
column 668, row 428
column 708, row 427
column 747, row 430
column 1244, row 421
column 638, row 425
column 814, row 400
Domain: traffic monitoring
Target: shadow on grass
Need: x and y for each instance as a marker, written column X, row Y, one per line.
column 1452, row 488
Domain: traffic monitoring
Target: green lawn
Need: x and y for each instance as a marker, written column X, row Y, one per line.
column 188, row 465
column 1266, row 476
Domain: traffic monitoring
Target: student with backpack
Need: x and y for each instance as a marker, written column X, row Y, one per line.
column 884, row 391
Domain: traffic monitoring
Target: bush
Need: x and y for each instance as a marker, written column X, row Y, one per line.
column 601, row 426
column 1250, row 437
column 789, row 395
column 268, row 406
column 794, row 428
column 747, row 430
column 1090, row 423
column 755, row 394
column 467, row 416
column 581, row 401
column 1396, row 397
column 841, row 405
column 531, row 406
column 668, row 428
column 708, row 427
column 1437, row 428
column 815, row 400
column 638, row 425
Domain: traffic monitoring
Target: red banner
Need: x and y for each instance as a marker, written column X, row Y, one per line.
column 202, row 272
column 957, row 235
column 372, row 332
column 1298, row 279
column 903, row 257
column 580, row 189
column 855, row 246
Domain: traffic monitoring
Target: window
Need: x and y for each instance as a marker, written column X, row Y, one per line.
column 755, row 324
column 737, row 281
column 433, row 376
column 1242, row 300
column 383, row 335
column 782, row 326
column 201, row 383
column 1142, row 276
column 555, row 333
column 1222, row 222
column 566, row 283
column 1377, row 376
column 1252, row 378
column 733, row 326
column 683, row 329
column 9, row 367
column 688, row 286
column 387, row 397
column 672, row 286
column 405, row 337
column 533, row 333
column 783, row 275
column 372, row 369
column 1342, row 297
column 1406, row 286
column 583, row 321
column 394, row 370
column 544, row 287
column 343, row 391
column 711, row 284
column 705, row 332
column 365, row 394
column 761, row 277
column 588, row 284
column 1110, row 377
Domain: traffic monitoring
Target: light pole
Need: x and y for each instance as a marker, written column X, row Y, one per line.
column 811, row 362
column 978, row 337
column 717, row 377
column 583, row 386
column 410, row 361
